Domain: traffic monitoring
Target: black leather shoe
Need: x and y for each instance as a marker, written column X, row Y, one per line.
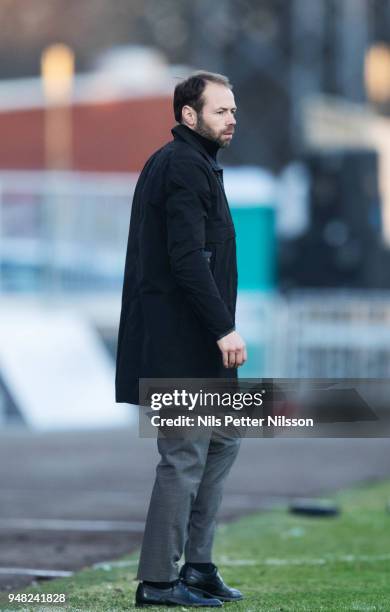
column 177, row 595
column 210, row 584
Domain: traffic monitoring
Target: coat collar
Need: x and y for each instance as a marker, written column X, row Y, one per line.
column 181, row 132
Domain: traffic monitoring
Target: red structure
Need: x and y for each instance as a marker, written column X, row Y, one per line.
column 108, row 136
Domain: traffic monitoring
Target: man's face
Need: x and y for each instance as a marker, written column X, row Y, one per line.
column 217, row 120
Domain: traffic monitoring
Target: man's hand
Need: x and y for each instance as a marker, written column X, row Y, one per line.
column 233, row 350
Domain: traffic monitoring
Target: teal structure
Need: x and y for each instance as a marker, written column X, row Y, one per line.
column 252, row 198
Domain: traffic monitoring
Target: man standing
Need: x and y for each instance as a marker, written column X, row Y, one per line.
column 178, row 321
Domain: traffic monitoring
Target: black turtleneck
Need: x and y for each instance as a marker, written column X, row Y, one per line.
column 211, row 146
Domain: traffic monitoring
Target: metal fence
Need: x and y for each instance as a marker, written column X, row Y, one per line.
column 318, row 334
column 63, row 231
column 67, row 232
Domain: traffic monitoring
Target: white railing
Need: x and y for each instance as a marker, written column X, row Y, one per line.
column 63, row 231
column 317, row 334
column 68, row 232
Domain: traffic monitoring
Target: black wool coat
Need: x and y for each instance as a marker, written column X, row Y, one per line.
column 180, row 280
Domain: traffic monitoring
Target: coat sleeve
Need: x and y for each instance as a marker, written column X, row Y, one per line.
column 187, row 205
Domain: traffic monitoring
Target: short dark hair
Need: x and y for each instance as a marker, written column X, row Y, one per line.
column 190, row 91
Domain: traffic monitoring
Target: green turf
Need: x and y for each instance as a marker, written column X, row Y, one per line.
column 281, row 562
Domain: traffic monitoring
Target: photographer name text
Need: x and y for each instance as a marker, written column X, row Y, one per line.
column 226, row 420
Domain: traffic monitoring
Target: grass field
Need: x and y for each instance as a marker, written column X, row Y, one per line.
column 280, row 561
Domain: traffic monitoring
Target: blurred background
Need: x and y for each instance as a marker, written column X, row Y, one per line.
column 85, row 98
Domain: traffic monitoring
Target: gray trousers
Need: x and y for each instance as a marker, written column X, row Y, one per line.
column 185, row 499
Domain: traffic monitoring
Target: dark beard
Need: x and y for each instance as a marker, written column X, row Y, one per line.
column 202, row 129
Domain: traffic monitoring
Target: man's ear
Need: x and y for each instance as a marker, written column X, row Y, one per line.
column 188, row 116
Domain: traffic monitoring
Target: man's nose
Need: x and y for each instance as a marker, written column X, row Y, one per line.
column 232, row 119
